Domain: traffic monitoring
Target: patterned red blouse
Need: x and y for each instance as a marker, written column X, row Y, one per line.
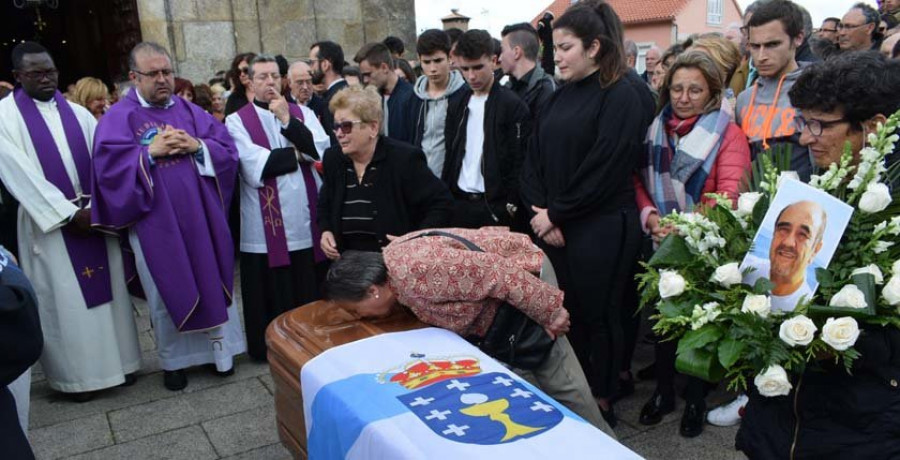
column 447, row 285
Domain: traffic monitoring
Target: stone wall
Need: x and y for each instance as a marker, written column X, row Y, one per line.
column 204, row 35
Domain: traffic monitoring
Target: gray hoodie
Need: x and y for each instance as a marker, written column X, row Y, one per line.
column 765, row 114
column 432, row 116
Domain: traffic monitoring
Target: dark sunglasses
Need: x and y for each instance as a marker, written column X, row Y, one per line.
column 345, row 126
column 244, row 70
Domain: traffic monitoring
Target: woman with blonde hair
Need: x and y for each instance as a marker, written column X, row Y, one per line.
column 373, row 186
column 693, row 148
column 218, row 101
column 92, row 94
column 724, row 53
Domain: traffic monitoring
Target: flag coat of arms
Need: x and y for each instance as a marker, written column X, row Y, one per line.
column 430, row 394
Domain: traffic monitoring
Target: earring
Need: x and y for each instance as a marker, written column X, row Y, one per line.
column 376, row 295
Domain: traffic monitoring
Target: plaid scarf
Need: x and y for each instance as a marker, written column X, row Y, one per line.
column 680, row 155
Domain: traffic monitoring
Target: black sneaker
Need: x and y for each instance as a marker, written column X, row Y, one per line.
column 175, row 380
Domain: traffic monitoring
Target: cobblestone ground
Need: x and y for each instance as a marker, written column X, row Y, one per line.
column 234, row 418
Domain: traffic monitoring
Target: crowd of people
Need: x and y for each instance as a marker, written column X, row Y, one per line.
column 308, row 174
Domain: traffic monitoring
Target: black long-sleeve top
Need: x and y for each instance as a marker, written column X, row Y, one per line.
column 586, row 147
column 405, row 194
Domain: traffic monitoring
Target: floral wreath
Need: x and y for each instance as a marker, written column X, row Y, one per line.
column 727, row 330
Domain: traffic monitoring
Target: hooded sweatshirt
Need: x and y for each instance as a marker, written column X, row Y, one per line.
column 431, row 117
column 765, row 114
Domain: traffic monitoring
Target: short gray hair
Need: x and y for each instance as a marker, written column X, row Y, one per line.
column 146, row 47
column 259, row 59
column 631, row 48
column 351, row 276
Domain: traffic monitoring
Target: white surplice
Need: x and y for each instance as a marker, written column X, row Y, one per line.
column 84, row 349
column 179, row 350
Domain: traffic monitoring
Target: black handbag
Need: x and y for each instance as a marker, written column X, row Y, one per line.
column 513, row 338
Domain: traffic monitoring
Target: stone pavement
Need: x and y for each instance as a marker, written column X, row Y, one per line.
column 234, row 418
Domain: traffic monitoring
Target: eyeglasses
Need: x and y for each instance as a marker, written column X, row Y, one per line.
column 848, row 26
column 266, row 76
column 693, row 94
column 244, row 70
column 307, row 82
column 166, row 73
column 816, row 127
column 39, row 74
column 827, row 30
column 345, row 126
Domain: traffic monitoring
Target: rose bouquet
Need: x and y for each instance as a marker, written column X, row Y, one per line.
column 727, row 329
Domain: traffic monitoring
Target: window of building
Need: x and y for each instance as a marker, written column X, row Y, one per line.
column 714, row 11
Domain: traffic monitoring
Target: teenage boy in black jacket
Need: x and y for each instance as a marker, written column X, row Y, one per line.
column 486, row 132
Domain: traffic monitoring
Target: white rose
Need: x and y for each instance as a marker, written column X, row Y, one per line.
column 671, row 284
column 727, row 275
column 871, row 269
column 759, row 304
column 747, row 201
column 773, row 382
column 895, row 269
column 840, row 333
column 786, row 175
column 798, row 330
column 849, row 296
column 891, row 291
column 875, row 199
column 882, row 246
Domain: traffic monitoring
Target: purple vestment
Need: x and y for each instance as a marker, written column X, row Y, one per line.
column 87, row 253
column 178, row 215
column 269, row 201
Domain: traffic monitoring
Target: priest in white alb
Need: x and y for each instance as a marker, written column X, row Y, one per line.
column 90, row 338
column 282, row 265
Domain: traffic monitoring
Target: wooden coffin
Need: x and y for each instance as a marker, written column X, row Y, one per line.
column 296, row 337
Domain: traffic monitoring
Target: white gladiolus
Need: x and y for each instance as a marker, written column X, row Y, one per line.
column 773, row 382
column 787, row 175
column 798, row 330
column 849, row 297
column 840, row 333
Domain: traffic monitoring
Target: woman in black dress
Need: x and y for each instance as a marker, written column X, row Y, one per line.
column 373, row 186
column 577, row 182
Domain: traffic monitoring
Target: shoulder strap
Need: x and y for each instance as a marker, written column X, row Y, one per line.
column 468, row 244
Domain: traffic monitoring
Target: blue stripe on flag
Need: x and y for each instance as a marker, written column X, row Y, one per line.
column 343, row 408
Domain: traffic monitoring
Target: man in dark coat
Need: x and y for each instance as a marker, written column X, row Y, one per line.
column 21, row 342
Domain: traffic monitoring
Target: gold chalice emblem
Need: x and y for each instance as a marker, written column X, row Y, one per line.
column 496, row 411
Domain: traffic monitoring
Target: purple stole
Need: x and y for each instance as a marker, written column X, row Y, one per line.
column 87, row 254
column 270, row 205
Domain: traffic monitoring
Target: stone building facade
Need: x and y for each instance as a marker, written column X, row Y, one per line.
column 204, row 35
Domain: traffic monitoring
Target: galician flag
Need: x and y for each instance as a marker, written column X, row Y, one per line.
column 430, row 394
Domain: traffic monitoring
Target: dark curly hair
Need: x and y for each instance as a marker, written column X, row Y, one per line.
column 862, row 84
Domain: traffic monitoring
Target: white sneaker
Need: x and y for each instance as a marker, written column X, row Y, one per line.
column 730, row 414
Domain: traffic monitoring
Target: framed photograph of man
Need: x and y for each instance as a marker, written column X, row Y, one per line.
column 799, row 233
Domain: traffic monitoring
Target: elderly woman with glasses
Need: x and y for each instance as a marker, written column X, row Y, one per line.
column 374, row 187
column 693, row 148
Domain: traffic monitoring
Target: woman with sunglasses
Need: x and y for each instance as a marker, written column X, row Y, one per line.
column 241, row 90
column 374, row 187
